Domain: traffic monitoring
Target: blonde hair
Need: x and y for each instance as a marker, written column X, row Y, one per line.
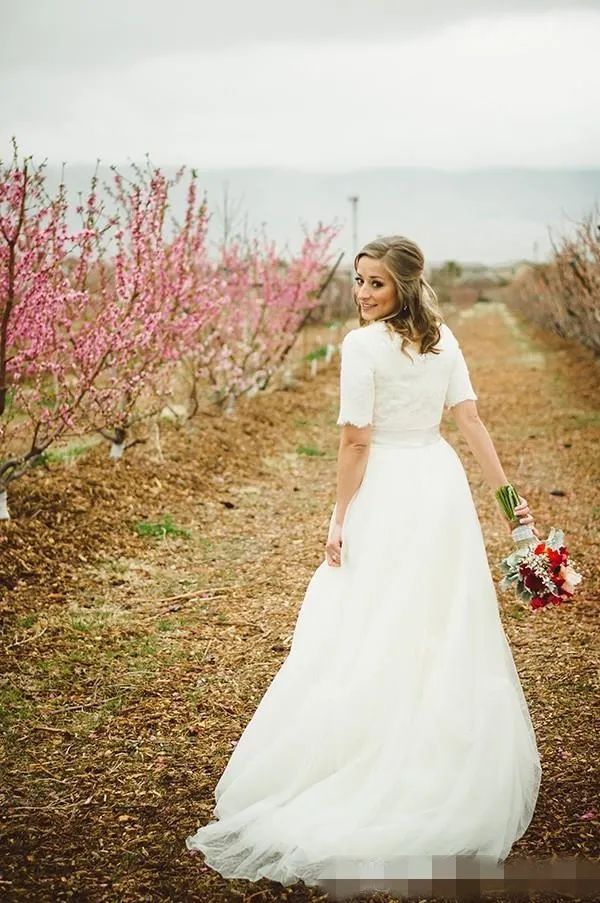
column 419, row 317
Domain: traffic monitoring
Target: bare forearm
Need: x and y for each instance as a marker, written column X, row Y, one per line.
column 482, row 447
column 352, row 461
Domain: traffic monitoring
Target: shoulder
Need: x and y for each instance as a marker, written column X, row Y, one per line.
column 360, row 340
column 446, row 334
column 360, row 334
column 448, row 341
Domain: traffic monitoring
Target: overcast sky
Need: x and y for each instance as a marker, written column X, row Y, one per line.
column 316, row 85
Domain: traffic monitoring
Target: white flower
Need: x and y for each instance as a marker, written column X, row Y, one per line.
column 572, row 576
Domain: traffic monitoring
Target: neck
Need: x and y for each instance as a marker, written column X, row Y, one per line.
column 390, row 316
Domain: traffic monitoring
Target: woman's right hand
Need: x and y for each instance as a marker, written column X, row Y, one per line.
column 333, row 549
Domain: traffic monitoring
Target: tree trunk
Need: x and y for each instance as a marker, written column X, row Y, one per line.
column 4, row 513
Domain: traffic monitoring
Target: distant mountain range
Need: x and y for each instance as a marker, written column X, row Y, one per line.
column 492, row 216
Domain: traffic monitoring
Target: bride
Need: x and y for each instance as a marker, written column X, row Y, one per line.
column 396, row 729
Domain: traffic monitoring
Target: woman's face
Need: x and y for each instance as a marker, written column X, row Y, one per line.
column 375, row 290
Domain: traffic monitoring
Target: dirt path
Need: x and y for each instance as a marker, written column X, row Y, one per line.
column 132, row 663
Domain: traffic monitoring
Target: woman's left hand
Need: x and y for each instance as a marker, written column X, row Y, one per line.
column 333, row 549
column 524, row 515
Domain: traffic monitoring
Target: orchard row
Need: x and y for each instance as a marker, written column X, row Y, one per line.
column 563, row 295
column 98, row 322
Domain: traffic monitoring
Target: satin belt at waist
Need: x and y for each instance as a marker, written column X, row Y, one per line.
column 405, row 438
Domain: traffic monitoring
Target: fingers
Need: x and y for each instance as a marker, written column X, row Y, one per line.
column 333, row 553
column 523, row 513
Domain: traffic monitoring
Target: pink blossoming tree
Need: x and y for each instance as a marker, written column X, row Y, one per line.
column 266, row 302
column 155, row 300
column 96, row 323
column 45, row 370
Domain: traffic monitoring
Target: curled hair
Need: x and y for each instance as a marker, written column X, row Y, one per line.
column 418, row 319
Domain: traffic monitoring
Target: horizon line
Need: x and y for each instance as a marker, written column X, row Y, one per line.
column 294, row 169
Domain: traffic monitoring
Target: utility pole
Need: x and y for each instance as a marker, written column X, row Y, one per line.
column 354, row 202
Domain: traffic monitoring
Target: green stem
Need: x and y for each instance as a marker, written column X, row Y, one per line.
column 507, row 497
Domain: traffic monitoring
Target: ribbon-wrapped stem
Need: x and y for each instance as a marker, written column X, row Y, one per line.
column 508, row 498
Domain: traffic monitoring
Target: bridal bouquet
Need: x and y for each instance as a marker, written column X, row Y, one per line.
column 539, row 571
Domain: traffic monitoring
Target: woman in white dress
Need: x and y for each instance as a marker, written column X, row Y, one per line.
column 396, row 729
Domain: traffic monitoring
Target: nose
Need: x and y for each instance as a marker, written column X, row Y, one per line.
column 363, row 292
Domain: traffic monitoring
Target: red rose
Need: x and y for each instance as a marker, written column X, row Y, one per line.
column 536, row 602
column 533, row 583
column 554, row 557
column 540, row 549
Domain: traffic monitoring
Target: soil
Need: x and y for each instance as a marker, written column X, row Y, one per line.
column 133, row 657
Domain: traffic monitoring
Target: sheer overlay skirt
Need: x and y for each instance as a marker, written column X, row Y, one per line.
column 396, row 729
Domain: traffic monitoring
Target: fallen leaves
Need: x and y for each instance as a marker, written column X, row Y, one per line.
column 130, row 675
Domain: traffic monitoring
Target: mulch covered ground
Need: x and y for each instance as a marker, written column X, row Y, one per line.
column 133, row 661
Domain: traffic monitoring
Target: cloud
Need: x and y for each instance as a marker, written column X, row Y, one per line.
column 70, row 35
column 515, row 91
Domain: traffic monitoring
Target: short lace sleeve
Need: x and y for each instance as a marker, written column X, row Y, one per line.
column 357, row 384
column 459, row 387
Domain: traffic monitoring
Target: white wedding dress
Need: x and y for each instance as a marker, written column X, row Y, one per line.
column 396, row 729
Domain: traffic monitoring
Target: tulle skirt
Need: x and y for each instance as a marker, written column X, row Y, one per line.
column 396, row 729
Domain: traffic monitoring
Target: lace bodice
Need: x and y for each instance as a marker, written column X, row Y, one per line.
column 381, row 386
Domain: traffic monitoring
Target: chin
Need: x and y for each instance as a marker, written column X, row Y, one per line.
column 370, row 314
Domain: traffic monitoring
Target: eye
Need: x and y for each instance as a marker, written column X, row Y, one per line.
column 357, row 279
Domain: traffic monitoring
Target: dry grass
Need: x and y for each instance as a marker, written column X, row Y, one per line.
column 132, row 663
